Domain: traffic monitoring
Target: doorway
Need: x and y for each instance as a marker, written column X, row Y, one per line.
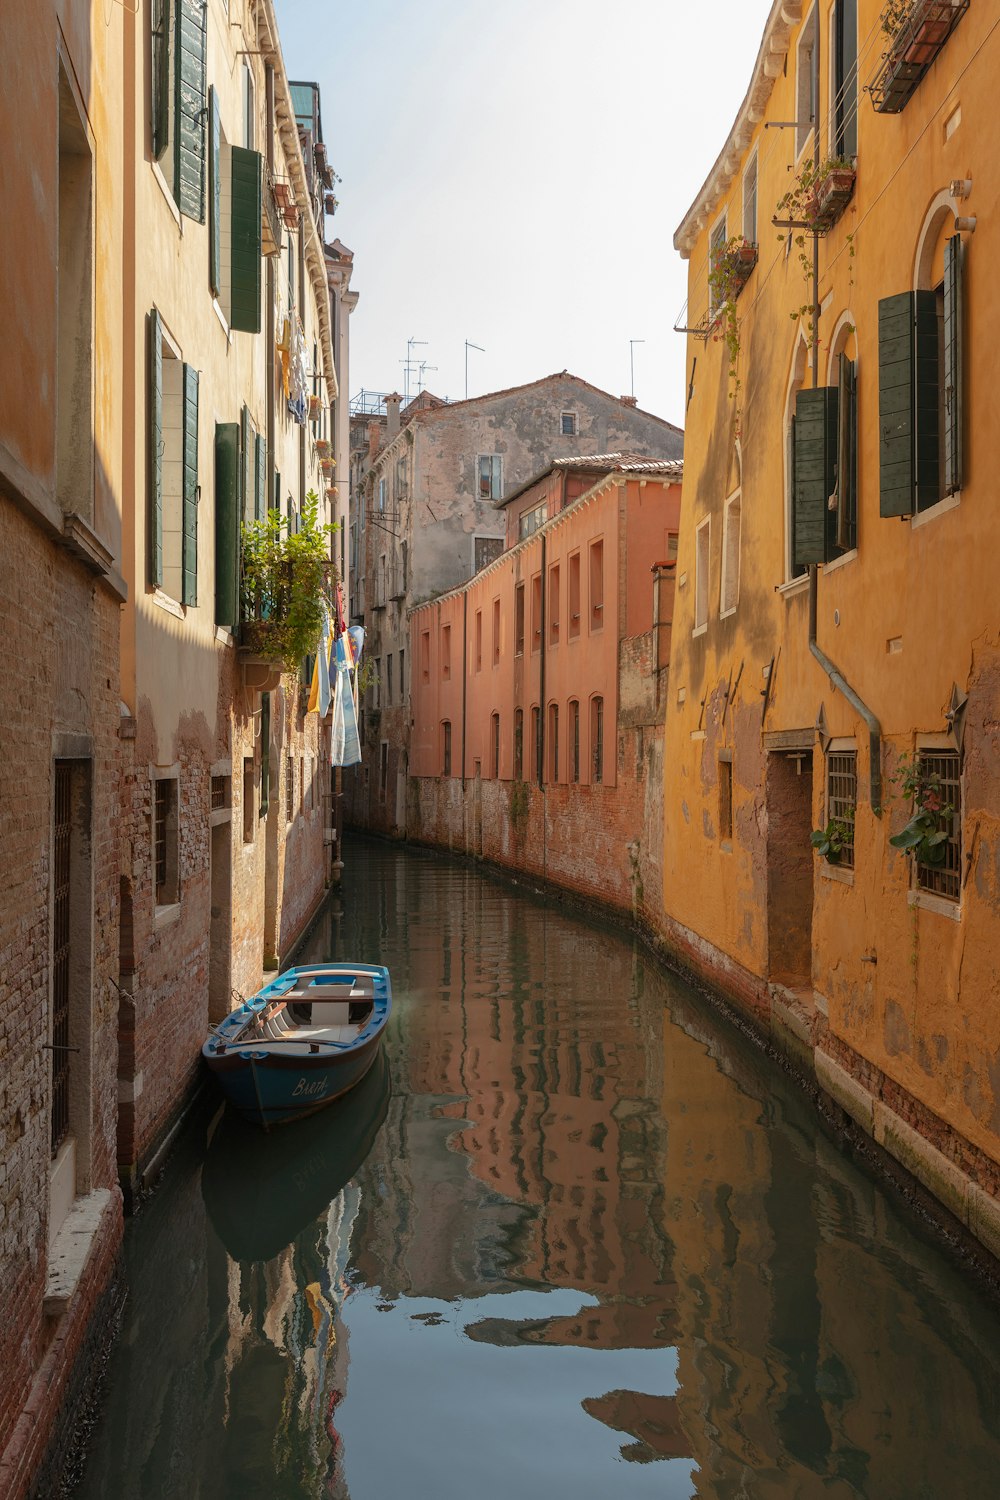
column 788, row 791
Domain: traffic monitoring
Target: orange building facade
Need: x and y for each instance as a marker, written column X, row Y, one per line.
column 536, row 693
column 831, row 793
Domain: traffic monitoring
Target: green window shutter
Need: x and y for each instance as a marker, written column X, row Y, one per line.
column 896, row 466
column 815, row 472
column 246, row 252
column 155, row 455
column 189, row 108
column 260, row 480
column 927, row 400
column 189, row 481
column 245, row 470
column 214, row 194
column 161, row 76
column 845, row 518
column 954, row 254
column 265, row 752
column 227, row 522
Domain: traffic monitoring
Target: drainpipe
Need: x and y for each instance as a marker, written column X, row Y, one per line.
column 540, row 764
column 837, row 680
column 465, row 677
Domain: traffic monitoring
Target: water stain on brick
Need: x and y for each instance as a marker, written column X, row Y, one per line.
column 896, row 1030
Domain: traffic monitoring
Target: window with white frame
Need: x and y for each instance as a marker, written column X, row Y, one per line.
column 841, row 801
column 702, row 558
column 530, row 520
column 490, row 476
column 750, row 200
column 805, row 82
column 730, row 555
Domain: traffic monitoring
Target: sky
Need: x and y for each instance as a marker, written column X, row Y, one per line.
column 512, row 175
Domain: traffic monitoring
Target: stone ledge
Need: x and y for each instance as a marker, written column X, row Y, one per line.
column 71, row 1250
column 852, row 1098
column 925, row 1162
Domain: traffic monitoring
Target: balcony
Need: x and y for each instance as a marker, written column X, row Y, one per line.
column 916, row 31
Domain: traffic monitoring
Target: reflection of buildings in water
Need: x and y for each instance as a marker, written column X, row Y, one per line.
column 808, row 1364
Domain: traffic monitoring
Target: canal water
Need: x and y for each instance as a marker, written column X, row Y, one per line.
column 576, row 1238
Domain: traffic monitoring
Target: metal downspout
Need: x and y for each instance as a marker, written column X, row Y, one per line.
column 465, row 677
column 839, row 683
column 540, row 747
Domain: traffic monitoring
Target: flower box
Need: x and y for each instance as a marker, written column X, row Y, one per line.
column 916, row 32
column 833, row 193
column 315, row 408
column 322, row 445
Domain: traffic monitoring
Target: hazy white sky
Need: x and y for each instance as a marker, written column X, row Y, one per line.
column 513, row 172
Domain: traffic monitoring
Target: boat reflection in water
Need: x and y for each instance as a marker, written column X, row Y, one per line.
column 262, row 1191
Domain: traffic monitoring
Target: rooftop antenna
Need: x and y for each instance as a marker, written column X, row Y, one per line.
column 408, row 364
column 421, row 367
column 469, row 346
column 631, row 359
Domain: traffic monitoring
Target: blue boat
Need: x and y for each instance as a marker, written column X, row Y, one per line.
column 303, row 1041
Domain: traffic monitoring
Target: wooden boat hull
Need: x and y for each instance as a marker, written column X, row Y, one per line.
column 274, row 1075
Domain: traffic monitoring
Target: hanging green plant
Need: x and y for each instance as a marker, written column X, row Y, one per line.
column 286, row 584
column 926, row 834
column 731, row 266
column 831, row 841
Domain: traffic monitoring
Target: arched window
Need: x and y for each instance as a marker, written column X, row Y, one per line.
column 596, row 740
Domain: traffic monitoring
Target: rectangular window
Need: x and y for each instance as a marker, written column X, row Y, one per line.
column 536, row 612
column 574, row 596
column 701, row 565
column 805, row 83
column 554, row 605
column 249, row 117
column 529, row 522
column 173, row 469
column 535, row 748
column 553, row 743
column 166, row 842
column 62, row 935
column 388, row 677
column 824, row 483
column 841, row 803
column 486, row 549
column 518, row 744
column 716, row 249
column 74, row 312
column 179, row 45
column 519, row 620
column 496, row 632
column 289, row 788
column 939, row 795
column 495, row 745
column 671, row 546
column 567, row 423
column 249, row 810
column 446, row 748
column 446, row 652
column 597, row 740
column 750, row 201
column 844, row 22
column 725, row 800
column 479, row 640
column 402, row 677
column 425, row 656
column 596, row 585
column 490, row 476
column 221, row 793
column 381, row 495
column 730, row 556
column 574, row 741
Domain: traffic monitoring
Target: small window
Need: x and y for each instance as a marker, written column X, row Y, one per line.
column 495, row 746
column 486, row 550
column 730, row 555
column 530, row 521
column 519, row 620
column 536, row 612
column 289, row 789
column 496, row 632
column 553, row 743
column 750, row 201
column 518, row 744
column 573, row 628
column 939, row 794
column 249, row 117
column 446, row 747
column 425, row 656
column 597, row 740
column 702, row 559
column 597, row 585
column 381, row 495
column 479, row 640
column 446, row 652
column 716, row 247
column 221, row 793
column 402, row 677
column 490, row 476
column 841, row 803
column 671, row 546
column 302, row 786
column 166, row 841
column 567, row 423
column 554, row 605
column 535, row 748
column 725, row 799
column 805, row 83
column 574, row 740
column 249, row 821
column 388, row 677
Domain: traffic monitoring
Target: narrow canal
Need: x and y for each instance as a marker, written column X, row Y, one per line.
column 576, row 1238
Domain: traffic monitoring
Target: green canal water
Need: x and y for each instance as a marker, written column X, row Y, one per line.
column 575, row 1238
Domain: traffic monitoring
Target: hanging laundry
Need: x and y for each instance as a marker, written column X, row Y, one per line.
column 320, row 695
column 356, row 636
column 298, row 376
column 345, row 745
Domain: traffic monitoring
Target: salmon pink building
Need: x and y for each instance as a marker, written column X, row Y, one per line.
column 538, row 688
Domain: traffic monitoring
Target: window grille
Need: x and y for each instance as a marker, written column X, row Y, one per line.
column 163, row 789
column 220, row 793
column 842, row 799
column 289, row 789
column 940, row 774
column 60, row 956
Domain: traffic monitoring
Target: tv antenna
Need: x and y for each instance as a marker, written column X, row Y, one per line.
column 631, row 359
column 468, row 346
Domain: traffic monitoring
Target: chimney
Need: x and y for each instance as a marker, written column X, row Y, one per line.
column 629, row 400
column 392, row 405
column 374, row 438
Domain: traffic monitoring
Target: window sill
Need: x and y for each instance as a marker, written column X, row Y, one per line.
column 164, row 916
column 700, row 629
column 950, row 502
column 838, row 562
column 928, row 901
column 168, row 196
column 220, row 815
column 224, row 635
column 725, row 614
column 163, row 601
column 217, row 309
column 793, row 586
column 70, row 1250
column 836, row 872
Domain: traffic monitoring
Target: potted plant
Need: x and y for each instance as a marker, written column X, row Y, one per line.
column 727, row 276
column 285, row 585
column 321, row 445
column 831, row 841
column 315, row 408
column 926, row 834
column 819, row 194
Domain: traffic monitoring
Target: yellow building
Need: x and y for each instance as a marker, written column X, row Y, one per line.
column 835, row 676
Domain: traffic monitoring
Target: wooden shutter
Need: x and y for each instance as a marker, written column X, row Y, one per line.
column 189, row 108
column 927, row 396
column 265, row 753
column 227, row 522
column 896, row 466
column 161, row 77
column 189, row 488
column 954, row 254
column 815, row 472
column 260, row 480
column 845, row 518
column 246, row 251
column 214, row 194
column 155, row 452
column 246, row 490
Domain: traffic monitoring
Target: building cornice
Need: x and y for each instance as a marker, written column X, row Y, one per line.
column 785, row 16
